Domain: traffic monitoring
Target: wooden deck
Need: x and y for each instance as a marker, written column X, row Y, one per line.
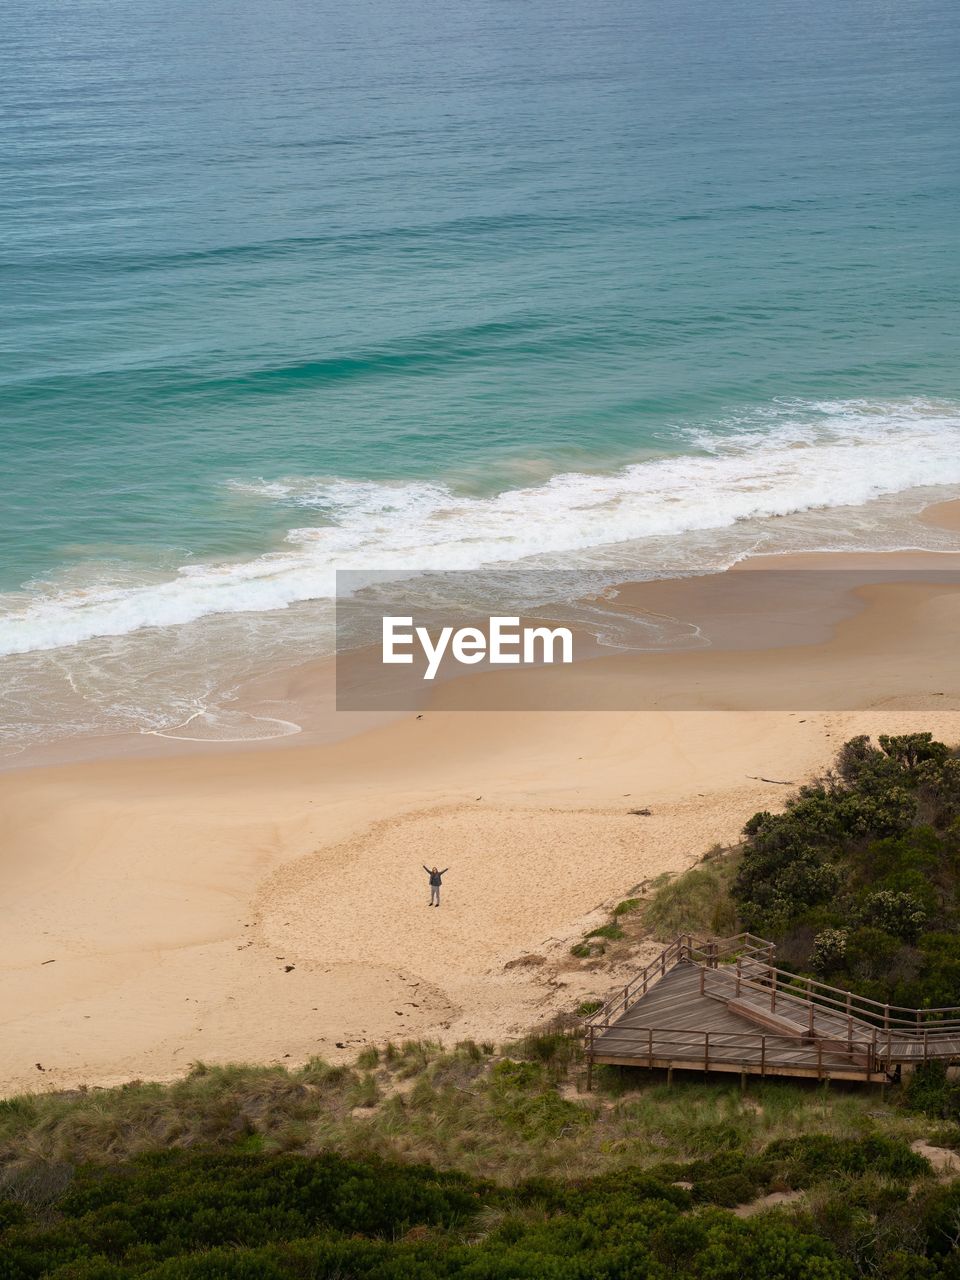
column 675, row 1026
column 724, row 1006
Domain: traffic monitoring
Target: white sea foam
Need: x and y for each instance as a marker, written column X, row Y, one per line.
column 801, row 459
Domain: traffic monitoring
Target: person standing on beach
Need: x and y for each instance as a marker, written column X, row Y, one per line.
column 436, row 879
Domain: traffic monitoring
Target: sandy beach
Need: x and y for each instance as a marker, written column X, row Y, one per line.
column 942, row 515
column 270, row 904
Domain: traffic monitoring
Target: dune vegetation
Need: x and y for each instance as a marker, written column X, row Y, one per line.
column 416, row 1161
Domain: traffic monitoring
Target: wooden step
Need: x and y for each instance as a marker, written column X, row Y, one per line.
column 777, row 1022
column 856, row 1053
column 792, row 1026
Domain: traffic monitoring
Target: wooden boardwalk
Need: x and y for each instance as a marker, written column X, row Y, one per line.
column 724, row 1006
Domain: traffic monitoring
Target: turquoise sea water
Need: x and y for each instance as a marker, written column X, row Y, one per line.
column 296, row 286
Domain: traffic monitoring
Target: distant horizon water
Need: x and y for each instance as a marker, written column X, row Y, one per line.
column 645, row 286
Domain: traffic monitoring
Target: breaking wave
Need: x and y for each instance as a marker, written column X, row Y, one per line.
column 790, row 460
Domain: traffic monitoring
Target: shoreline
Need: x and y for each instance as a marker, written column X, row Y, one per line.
column 299, row 699
column 264, row 902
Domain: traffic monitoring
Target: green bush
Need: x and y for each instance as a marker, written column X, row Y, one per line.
column 202, row 1216
column 859, row 877
column 205, row 1217
column 627, row 906
column 870, row 954
column 897, row 913
column 803, row 1161
column 930, row 1091
column 584, row 951
column 612, row 932
column 942, row 1221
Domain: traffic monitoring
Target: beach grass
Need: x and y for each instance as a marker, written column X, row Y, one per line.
column 697, row 902
column 515, row 1112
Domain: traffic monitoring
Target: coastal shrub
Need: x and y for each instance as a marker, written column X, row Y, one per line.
column 897, row 913
column 801, row 1161
column 939, row 984
column 829, row 950
column 858, row 880
column 911, row 750
column 869, row 955
column 930, row 1090
column 941, row 1219
column 173, row 1204
column 201, row 1215
column 11, row 1215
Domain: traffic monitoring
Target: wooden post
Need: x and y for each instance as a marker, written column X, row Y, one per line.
column 669, row 1076
column 743, row 1080
column 819, row 1059
column 703, row 974
column 849, row 1022
column 773, row 990
column 650, row 1047
column 763, row 1056
column 706, row 1051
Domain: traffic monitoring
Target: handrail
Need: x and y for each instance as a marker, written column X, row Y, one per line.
column 683, row 947
column 866, row 1000
column 876, row 1050
column 688, row 1045
column 708, row 954
column 641, row 1033
column 809, row 991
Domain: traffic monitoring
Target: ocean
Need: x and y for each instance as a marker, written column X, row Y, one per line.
column 627, row 286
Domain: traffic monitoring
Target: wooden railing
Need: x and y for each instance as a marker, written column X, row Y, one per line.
column 871, row 1056
column 758, row 1052
column 707, row 951
column 776, row 984
column 743, row 965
